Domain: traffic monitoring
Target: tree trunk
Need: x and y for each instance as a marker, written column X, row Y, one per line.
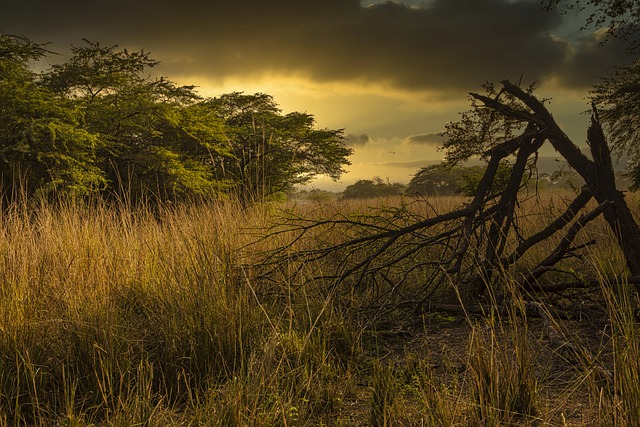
column 597, row 173
column 603, row 187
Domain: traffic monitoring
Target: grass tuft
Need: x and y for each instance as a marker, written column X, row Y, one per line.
column 114, row 315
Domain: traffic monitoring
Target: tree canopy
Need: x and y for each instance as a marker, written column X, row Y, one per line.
column 616, row 97
column 270, row 152
column 101, row 123
column 43, row 146
column 372, row 188
column 619, row 17
column 143, row 124
column 445, row 179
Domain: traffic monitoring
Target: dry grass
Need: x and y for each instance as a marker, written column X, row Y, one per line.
column 122, row 316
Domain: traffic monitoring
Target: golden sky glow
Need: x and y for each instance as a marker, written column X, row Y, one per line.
column 389, row 118
column 386, row 72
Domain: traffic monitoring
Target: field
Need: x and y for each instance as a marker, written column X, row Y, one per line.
column 121, row 316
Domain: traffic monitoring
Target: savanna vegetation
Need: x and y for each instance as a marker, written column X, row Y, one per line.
column 150, row 276
column 99, row 124
column 121, row 315
column 372, row 188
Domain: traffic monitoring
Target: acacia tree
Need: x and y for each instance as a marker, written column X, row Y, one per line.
column 617, row 98
column 42, row 147
column 372, row 188
column 100, row 122
column 444, row 179
column 617, row 95
column 272, row 152
column 154, row 139
column 436, row 180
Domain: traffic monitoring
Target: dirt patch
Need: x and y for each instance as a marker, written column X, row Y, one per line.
column 433, row 353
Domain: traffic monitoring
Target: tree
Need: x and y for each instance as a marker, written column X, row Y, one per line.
column 471, row 177
column 446, row 179
column 521, row 106
column 619, row 17
column 155, row 138
column 436, row 180
column 399, row 257
column 272, row 152
column 315, row 195
column 617, row 96
column 372, row 188
column 42, row 147
column 100, row 123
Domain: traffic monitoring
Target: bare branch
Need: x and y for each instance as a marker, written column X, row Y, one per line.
column 557, row 225
column 564, row 247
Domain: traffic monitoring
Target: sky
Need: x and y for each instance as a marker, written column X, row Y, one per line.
column 390, row 73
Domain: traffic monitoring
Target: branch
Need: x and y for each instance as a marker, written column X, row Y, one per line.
column 564, row 247
column 509, row 111
column 557, row 137
column 568, row 215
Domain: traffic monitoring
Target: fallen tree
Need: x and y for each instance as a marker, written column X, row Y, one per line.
column 402, row 258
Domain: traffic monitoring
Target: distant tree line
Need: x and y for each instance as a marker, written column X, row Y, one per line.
column 440, row 179
column 444, row 179
column 100, row 124
column 372, row 188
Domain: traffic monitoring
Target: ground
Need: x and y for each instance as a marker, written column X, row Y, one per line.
column 437, row 345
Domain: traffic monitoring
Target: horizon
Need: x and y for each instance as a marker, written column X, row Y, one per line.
column 392, row 74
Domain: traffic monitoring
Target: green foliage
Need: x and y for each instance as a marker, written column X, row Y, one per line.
column 471, row 177
column 383, row 405
column 372, row 188
column 502, row 376
column 272, row 152
column 154, row 139
column 617, row 98
column 100, row 122
column 42, row 147
column 16, row 51
column 439, row 179
column 444, row 179
column 481, row 129
column 622, row 311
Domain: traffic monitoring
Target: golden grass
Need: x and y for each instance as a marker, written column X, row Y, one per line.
column 113, row 315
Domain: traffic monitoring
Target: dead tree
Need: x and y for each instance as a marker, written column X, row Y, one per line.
column 401, row 258
column 597, row 172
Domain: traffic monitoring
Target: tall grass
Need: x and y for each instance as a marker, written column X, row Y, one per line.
column 123, row 316
column 502, row 367
column 620, row 399
column 117, row 315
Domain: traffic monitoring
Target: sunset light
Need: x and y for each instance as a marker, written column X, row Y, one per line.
column 388, row 70
column 319, row 213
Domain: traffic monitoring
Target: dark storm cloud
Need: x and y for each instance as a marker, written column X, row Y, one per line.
column 451, row 44
column 592, row 59
column 432, row 139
